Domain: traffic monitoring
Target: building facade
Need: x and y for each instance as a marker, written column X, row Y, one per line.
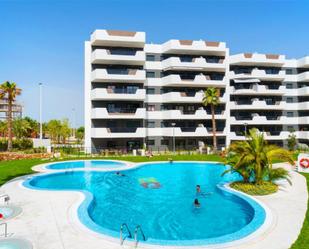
column 17, row 109
column 139, row 94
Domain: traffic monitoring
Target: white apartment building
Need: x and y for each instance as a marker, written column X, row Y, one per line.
column 138, row 93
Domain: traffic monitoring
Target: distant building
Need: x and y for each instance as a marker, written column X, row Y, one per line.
column 138, row 93
column 17, row 109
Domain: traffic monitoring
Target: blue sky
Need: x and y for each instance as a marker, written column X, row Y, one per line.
column 42, row 41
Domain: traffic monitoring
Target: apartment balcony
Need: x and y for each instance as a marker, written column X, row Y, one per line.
column 303, row 62
column 182, row 132
column 304, row 77
column 254, row 59
column 303, row 91
column 259, row 90
column 180, row 115
column 194, row 47
column 179, row 97
column 257, row 105
column 264, row 120
column 104, row 56
column 259, row 74
column 283, row 135
column 176, row 80
column 126, row 76
column 117, row 38
column 109, row 94
column 139, row 132
column 297, row 106
column 103, row 113
column 197, row 64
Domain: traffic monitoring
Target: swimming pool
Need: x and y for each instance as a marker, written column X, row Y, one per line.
column 15, row 243
column 86, row 164
column 159, row 197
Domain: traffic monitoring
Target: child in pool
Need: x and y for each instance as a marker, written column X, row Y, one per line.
column 197, row 204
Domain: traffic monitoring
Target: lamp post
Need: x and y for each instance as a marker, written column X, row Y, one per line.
column 74, row 119
column 41, row 125
column 245, row 124
column 173, row 124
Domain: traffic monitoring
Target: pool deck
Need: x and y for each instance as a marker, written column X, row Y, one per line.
column 49, row 219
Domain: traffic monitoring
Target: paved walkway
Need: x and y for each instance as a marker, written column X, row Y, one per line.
column 49, row 219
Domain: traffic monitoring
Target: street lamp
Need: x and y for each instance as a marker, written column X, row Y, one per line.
column 74, row 119
column 245, row 124
column 173, row 124
column 41, row 125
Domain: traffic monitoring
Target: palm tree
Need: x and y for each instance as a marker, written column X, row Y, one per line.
column 212, row 98
column 259, row 155
column 9, row 91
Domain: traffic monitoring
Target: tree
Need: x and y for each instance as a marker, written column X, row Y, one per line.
column 212, row 98
column 258, row 155
column 245, row 170
column 292, row 141
column 21, row 128
column 9, row 91
column 33, row 127
column 65, row 130
column 3, row 128
column 53, row 129
column 80, row 133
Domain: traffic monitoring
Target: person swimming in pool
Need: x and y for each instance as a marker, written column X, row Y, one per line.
column 198, row 189
column 119, row 174
column 197, row 204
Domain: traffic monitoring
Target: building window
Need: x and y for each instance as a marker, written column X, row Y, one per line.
column 150, row 74
column 150, row 57
column 289, row 100
column 289, row 85
column 289, row 71
column 165, row 142
column 150, row 124
column 151, row 108
column 151, row 142
column 290, row 114
column 150, row 91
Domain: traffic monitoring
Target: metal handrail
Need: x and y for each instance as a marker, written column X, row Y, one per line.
column 124, row 225
column 6, row 198
column 138, row 228
column 5, row 229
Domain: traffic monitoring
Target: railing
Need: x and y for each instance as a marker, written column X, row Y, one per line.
column 124, row 225
column 138, row 228
column 121, row 110
column 5, row 229
column 123, row 129
column 6, row 198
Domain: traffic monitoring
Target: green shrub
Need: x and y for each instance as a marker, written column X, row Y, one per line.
column 18, row 144
column 264, row 188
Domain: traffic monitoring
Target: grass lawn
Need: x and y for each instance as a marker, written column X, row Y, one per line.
column 303, row 239
column 12, row 169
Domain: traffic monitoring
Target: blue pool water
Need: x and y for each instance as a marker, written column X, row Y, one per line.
column 159, row 197
column 86, row 164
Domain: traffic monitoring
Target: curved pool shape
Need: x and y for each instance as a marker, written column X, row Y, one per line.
column 9, row 211
column 14, row 243
column 159, row 197
column 86, row 164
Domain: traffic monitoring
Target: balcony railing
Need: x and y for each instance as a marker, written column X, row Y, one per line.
column 121, row 110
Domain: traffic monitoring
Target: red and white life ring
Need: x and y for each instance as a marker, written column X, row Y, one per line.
column 304, row 163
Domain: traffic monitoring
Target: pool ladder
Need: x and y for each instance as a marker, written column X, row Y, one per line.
column 5, row 228
column 136, row 230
